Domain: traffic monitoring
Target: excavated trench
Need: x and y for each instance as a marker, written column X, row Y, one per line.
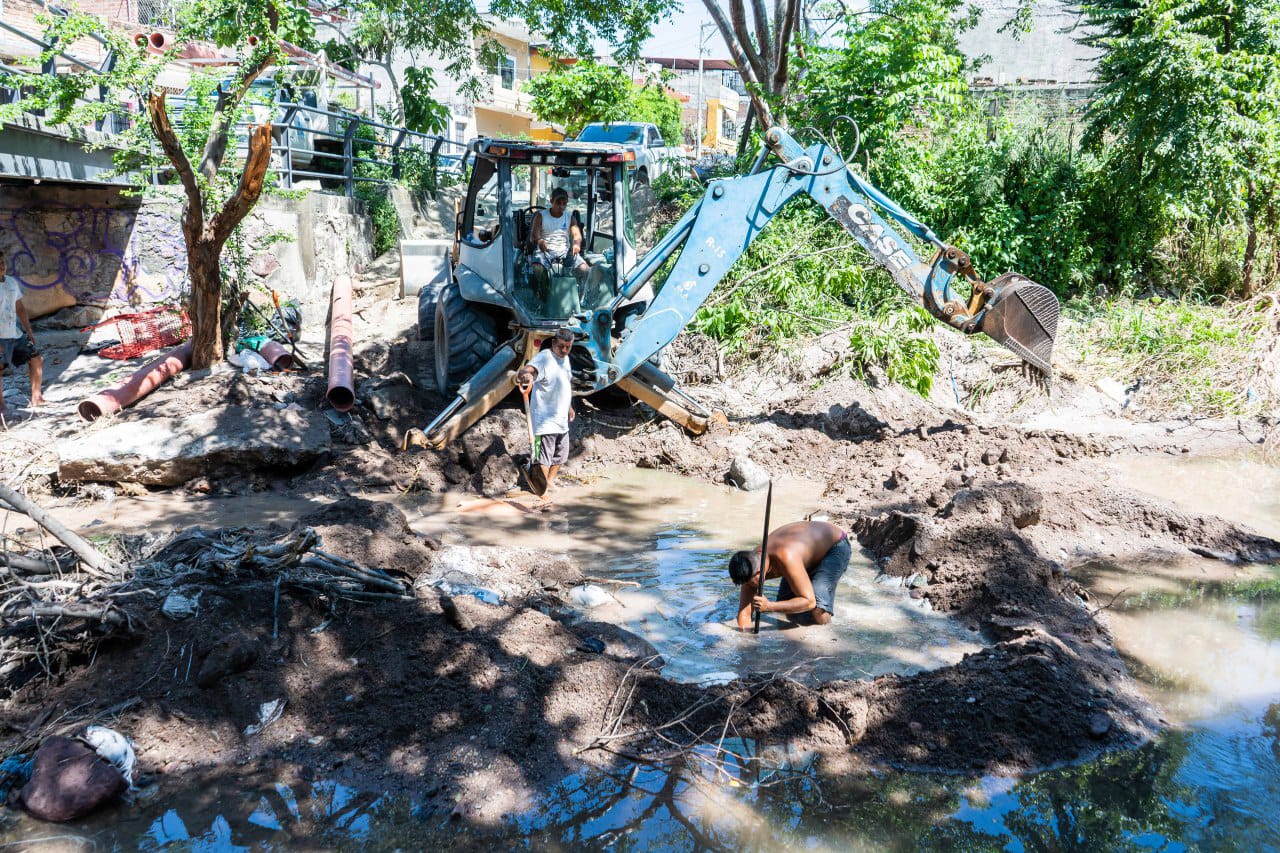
column 989, row 650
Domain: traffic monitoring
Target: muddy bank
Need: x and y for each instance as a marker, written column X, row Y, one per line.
column 493, row 702
column 490, row 704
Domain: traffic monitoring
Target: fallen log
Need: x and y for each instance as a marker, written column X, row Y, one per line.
column 94, row 561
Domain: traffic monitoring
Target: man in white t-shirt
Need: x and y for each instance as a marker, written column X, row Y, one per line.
column 550, row 403
column 556, row 238
column 17, row 341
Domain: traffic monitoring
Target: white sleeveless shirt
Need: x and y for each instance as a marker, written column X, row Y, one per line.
column 555, row 231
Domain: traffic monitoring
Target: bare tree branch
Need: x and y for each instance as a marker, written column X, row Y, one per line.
column 764, row 39
column 193, row 215
column 762, row 111
column 738, row 15
column 246, row 194
column 784, row 48
column 95, row 562
column 215, row 148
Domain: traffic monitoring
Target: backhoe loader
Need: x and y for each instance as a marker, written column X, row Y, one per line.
column 496, row 308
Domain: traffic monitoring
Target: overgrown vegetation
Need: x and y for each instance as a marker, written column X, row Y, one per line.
column 1145, row 209
column 1198, row 352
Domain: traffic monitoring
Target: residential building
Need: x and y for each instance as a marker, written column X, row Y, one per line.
column 723, row 99
column 502, row 110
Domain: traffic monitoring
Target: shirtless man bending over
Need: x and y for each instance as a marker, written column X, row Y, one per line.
column 809, row 556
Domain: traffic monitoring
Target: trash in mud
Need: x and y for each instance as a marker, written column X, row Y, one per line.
column 178, row 607
column 589, row 596
column 114, row 747
column 69, row 780
column 268, row 713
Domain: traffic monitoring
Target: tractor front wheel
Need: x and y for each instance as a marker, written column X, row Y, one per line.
column 466, row 337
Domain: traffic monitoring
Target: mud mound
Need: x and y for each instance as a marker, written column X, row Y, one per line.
column 373, row 534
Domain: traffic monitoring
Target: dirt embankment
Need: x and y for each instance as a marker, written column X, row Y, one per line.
column 492, row 702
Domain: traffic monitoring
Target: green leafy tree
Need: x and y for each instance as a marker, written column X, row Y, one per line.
column 899, row 72
column 580, row 94
column 654, row 104
column 587, row 92
column 455, row 31
column 1186, row 118
column 190, row 149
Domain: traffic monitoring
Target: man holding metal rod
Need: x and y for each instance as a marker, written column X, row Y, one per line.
column 809, row 556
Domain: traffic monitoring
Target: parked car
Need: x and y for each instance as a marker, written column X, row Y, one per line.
column 653, row 156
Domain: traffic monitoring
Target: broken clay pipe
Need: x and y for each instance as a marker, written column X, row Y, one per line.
column 145, row 380
column 276, row 355
column 342, row 393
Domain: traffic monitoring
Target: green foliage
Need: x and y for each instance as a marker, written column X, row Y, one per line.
column 1198, row 351
column 422, row 112
column 1186, row 120
column 897, row 72
column 382, row 213
column 580, row 94
column 574, row 30
column 677, row 188
column 652, row 103
column 587, row 92
column 229, row 24
column 804, row 276
column 898, row 342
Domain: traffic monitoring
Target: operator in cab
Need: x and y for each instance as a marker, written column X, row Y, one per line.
column 557, row 239
column 810, row 557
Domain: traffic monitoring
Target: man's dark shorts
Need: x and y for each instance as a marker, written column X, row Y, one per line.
column 824, row 576
column 15, row 352
column 553, row 449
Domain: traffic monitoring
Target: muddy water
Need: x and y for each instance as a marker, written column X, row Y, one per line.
column 1204, row 638
column 666, row 540
column 1241, row 487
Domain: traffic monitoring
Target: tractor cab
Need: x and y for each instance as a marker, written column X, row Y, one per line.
column 512, row 183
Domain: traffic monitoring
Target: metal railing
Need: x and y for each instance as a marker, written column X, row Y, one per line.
column 304, row 137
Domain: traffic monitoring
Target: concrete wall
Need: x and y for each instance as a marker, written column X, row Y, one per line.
column 93, row 245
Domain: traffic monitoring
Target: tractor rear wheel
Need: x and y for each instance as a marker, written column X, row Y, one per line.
column 466, row 337
column 427, row 299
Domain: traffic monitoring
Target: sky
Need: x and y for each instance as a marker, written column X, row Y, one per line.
column 678, row 37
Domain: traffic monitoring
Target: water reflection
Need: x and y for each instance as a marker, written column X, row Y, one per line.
column 1211, row 787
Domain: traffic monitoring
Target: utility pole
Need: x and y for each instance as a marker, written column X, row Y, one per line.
column 702, row 49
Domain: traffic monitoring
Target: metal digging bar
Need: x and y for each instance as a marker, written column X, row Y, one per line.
column 764, row 551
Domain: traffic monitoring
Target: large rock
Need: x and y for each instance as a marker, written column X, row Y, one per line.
column 69, row 780
column 172, row 451
column 747, row 475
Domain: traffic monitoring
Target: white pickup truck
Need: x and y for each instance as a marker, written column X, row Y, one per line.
column 653, row 156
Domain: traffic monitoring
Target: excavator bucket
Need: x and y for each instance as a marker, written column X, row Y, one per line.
column 1022, row 317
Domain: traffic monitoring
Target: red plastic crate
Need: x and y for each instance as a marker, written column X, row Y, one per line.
column 146, row 331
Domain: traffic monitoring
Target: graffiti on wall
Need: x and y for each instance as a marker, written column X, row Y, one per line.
column 94, row 254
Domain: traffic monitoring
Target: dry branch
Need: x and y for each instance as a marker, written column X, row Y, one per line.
column 93, row 560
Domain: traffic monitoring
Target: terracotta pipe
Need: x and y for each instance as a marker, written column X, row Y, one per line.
column 276, row 355
column 342, row 391
column 145, row 380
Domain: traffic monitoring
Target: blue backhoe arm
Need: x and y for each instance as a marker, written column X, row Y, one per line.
column 716, row 231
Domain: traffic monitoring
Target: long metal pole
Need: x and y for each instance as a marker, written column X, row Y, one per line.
column 764, row 551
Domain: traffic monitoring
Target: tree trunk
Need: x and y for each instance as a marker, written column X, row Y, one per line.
column 744, row 134
column 204, row 265
column 1250, row 258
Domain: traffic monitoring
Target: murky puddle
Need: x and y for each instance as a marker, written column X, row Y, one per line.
column 1241, row 487
column 666, row 540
